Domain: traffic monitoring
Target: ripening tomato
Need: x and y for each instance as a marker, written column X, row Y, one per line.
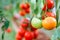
column 8, row 30
column 22, row 12
column 23, row 6
column 21, row 32
column 50, row 14
column 18, row 37
column 28, row 36
column 49, row 23
column 50, row 4
column 24, row 23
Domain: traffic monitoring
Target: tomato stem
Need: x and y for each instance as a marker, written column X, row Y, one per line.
column 3, row 35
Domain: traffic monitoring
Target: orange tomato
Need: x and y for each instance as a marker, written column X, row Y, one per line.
column 49, row 23
column 22, row 13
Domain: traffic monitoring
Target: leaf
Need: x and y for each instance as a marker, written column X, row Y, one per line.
column 56, row 35
column 33, row 4
column 36, row 10
column 6, row 25
column 57, row 4
column 40, row 5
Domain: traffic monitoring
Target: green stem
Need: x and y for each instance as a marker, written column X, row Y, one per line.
column 3, row 35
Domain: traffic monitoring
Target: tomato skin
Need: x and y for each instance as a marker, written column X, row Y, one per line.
column 49, row 23
column 27, row 10
column 28, row 36
column 18, row 37
column 35, row 34
column 28, row 5
column 50, row 14
column 22, row 13
column 50, row 4
column 32, row 33
column 21, row 31
column 44, row 8
column 8, row 30
column 32, row 28
column 24, row 23
column 23, row 6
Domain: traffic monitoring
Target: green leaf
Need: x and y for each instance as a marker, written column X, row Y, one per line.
column 57, row 4
column 40, row 5
column 36, row 10
column 6, row 25
column 56, row 35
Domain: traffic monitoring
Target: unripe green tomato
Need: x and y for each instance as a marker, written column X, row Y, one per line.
column 36, row 23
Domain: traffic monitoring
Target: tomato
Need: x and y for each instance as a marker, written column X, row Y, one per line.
column 50, row 14
column 50, row 4
column 8, row 30
column 21, row 32
column 32, row 33
column 49, row 23
column 28, row 36
column 18, row 37
column 32, row 28
column 23, row 6
column 24, row 23
column 36, row 23
column 44, row 7
column 27, row 10
column 35, row 34
column 28, row 5
column 22, row 12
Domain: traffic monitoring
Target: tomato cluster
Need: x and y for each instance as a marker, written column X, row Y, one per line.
column 48, row 17
column 23, row 31
column 28, row 28
column 27, row 35
column 49, row 4
column 25, row 9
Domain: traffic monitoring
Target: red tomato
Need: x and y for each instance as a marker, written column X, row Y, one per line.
column 33, row 29
column 21, row 32
column 22, row 12
column 32, row 33
column 27, row 10
column 18, row 37
column 24, row 23
column 23, row 6
column 45, row 7
column 28, row 5
column 8, row 30
column 28, row 36
column 35, row 34
column 50, row 4
column 50, row 14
